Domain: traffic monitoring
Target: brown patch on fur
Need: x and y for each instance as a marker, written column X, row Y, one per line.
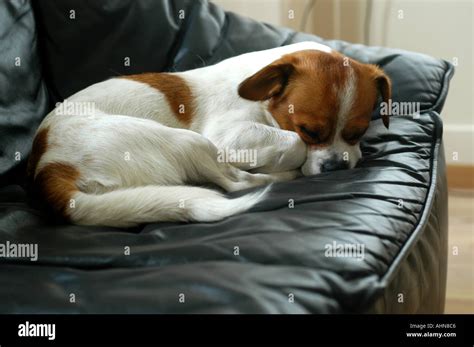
column 307, row 98
column 384, row 85
column 175, row 89
column 303, row 92
column 364, row 102
column 56, row 185
column 371, row 81
column 40, row 144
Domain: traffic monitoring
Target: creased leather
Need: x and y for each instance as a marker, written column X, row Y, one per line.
column 23, row 95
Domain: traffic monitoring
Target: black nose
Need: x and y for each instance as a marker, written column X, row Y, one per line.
column 333, row 165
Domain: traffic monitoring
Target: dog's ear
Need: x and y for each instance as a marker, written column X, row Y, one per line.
column 266, row 83
column 384, row 86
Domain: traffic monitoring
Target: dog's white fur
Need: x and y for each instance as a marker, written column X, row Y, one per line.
column 135, row 159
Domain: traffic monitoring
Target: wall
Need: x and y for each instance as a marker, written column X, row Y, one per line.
column 269, row 11
column 443, row 29
column 289, row 13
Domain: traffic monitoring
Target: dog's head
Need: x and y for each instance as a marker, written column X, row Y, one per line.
column 326, row 98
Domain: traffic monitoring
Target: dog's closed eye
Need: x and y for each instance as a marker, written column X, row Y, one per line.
column 315, row 135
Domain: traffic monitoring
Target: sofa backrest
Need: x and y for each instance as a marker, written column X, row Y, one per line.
column 23, row 95
column 87, row 42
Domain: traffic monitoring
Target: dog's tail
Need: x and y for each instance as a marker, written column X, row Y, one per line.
column 132, row 206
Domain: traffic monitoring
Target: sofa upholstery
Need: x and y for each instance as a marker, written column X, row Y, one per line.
column 394, row 202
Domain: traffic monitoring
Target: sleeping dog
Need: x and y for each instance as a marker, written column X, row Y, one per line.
column 135, row 155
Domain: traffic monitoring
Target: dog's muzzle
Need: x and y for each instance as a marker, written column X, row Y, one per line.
column 331, row 159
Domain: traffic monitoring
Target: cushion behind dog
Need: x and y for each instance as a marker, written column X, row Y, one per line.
column 23, row 96
column 87, row 42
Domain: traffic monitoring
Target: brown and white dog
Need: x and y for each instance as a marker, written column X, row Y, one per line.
column 133, row 156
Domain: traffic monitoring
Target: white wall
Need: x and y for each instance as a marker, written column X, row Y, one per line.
column 268, row 11
column 287, row 13
column 443, row 29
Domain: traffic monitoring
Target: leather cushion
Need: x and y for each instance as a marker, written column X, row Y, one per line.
column 23, row 96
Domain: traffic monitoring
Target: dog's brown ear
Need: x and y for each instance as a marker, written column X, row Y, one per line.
column 384, row 85
column 266, row 83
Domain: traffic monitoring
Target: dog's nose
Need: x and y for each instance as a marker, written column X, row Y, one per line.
column 333, row 165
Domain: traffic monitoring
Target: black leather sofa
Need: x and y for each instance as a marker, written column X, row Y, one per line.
column 394, row 202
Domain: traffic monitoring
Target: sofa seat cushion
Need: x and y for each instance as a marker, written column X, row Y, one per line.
column 282, row 256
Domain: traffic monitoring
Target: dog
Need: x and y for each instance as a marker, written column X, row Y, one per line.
column 150, row 142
